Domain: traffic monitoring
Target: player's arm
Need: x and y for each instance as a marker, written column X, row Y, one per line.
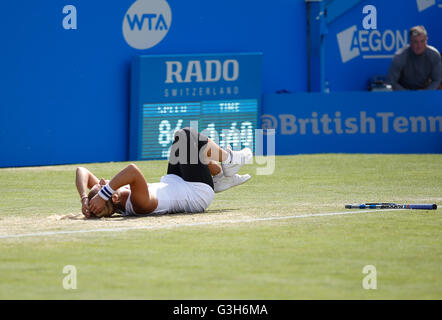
column 140, row 197
column 84, row 180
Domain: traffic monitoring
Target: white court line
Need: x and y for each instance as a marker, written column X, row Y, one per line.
column 53, row 233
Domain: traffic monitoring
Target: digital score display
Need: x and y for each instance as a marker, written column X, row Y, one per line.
column 217, row 94
column 225, row 121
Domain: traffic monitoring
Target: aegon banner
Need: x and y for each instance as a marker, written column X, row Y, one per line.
column 355, row 53
column 355, row 122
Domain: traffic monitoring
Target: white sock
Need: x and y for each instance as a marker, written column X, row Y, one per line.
column 229, row 158
column 218, row 176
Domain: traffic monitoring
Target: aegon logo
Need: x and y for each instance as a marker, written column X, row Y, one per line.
column 424, row 4
column 209, row 71
column 370, row 43
column 146, row 23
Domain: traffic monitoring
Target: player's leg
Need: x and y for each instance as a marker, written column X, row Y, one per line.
column 214, row 168
column 231, row 161
column 214, row 152
column 184, row 158
column 220, row 181
column 194, row 157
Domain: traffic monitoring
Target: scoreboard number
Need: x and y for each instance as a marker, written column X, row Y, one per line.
column 226, row 122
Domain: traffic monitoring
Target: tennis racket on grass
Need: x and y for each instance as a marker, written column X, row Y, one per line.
column 384, row 205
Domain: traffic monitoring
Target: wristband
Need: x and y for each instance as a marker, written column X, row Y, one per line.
column 106, row 192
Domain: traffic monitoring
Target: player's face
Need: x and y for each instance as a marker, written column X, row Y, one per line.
column 418, row 44
column 108, row 209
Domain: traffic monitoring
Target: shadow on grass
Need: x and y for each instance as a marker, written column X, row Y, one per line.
column 157, row 215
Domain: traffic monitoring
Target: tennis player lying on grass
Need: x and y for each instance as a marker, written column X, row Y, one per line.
column 193, row 176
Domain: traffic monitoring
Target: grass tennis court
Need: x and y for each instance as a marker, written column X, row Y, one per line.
column 242, row 247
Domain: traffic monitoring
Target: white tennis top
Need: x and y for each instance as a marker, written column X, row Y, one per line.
column 176, row 195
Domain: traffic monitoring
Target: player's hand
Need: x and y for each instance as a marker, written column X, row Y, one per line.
column 85, row 207
column 97, row 204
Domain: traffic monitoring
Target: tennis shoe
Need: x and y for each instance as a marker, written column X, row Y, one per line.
column 225, row 183
column 238, row 159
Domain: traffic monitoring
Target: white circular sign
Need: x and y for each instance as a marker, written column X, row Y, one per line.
column 146, row 23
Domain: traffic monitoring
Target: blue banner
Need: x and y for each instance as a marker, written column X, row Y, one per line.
column 67, row 67
column 355, row 122
column 354, row 54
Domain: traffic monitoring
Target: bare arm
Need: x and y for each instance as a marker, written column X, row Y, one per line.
column 84, row 180
column 142, row 201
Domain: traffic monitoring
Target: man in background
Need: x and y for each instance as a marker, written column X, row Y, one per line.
column 417, row 66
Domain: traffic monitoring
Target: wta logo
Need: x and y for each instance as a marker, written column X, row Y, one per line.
column 146, row 23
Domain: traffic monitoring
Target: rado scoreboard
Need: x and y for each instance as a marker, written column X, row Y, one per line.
column 219, row 95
